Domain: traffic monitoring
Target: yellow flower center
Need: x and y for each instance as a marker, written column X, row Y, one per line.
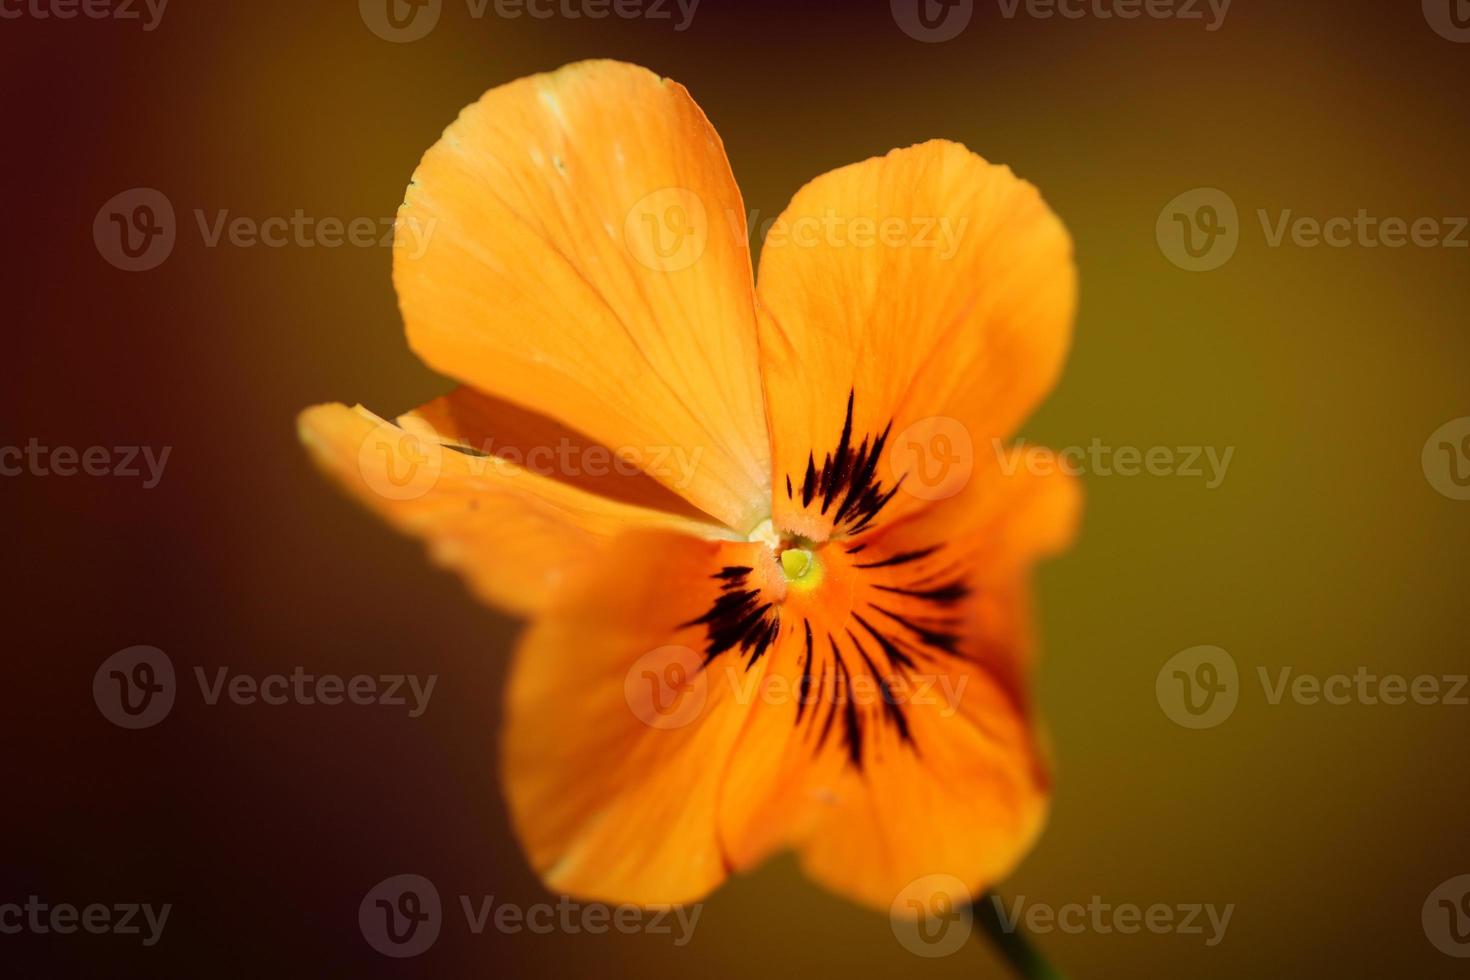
column 802, row 567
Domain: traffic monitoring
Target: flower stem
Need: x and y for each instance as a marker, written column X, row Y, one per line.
column 1011, row 942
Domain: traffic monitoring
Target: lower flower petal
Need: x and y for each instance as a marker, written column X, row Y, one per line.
column 616, row 738
column 895, row 740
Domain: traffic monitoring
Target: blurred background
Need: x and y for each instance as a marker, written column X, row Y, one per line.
column 1334, row 541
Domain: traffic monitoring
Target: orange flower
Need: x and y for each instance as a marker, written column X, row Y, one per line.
column 802, row 623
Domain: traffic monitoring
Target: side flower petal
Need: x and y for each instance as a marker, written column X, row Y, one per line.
column 514, row 534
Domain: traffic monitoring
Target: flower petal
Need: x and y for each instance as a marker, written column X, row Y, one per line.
column 615, row 738
column 512, row 533
column 934, row 289
column 906, row 746
column 575, row 243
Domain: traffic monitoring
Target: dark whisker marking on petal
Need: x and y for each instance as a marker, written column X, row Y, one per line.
column 945, row 595
column 891, row 709
column 852, row 724
column 896, row 657
column 855, row 549
column 938, row 639
column 788, row 486
column 848, row 477
column 737, row 618
column 902, row 558
column 806, row 673
column 466, row 450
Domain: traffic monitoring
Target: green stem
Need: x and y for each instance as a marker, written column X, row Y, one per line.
column 1011, row 942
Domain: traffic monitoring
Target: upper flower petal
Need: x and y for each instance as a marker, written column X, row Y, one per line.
column 933, row 289
column 575, row 243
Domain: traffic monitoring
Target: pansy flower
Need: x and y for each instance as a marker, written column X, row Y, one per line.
column 772, row 548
